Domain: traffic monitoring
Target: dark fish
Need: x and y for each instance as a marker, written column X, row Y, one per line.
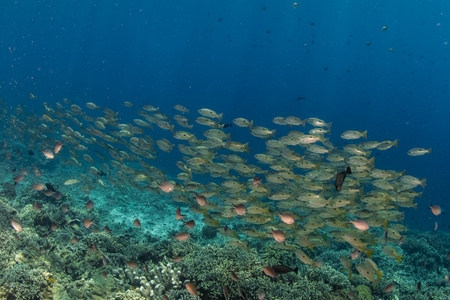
column 50, row 187
column 386, row 237
column 340, row 178
column 30, row 152
column 419, row 286
column 279, row 269
column 225, row 125
column 301, row 98
column 89, row 204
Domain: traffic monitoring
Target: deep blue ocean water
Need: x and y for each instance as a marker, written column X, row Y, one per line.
column 250, row 59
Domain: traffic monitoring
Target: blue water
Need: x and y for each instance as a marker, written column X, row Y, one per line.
column 250, row 59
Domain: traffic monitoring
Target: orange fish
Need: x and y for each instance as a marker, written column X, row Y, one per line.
column 234, row 276
column 360, row 224
column 166, row 186
column 182, row 236
column 132, row 264
column 178, row 214
column 87, row 222
column 278, row 235
column 201, row 200
column 435, row 209
column 74, row 240
column 38, row 187
column 240, row 209
column 286, row 218
column 137, row 223
column 189, row 224
column 269, row 272
column 191, row 289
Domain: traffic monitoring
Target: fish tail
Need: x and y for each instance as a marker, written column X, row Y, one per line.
column 364, row 134
column 328, row 125
column 395, row 143
column 385, row 223
column 317, row 166
column 423, row 182
column 369, row 252
column 219, row 116
column 372, row 162
column 430, row 150
column 250, row 125
column 399, row 258
column 379, row 274
column 350, row 273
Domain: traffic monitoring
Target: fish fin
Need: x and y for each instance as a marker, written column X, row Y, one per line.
column 385, row 223
column 395, row 143
column 430, row 150
column 205, row 213
column 399, row 258
column 379, row 274
column 364, row 134
column 317, row 166
column 419, row 195
column 369, row 252
column 250, row 124
column 219, row 116
column 350, row 274
column 372, row 162
column 328, row 125
column 423, row 182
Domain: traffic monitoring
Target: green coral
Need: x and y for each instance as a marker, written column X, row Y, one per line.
column 23, row 282
column 364, row 292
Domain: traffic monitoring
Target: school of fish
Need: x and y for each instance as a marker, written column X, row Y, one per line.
column 301, row 191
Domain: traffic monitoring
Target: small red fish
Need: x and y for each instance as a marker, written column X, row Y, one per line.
column 269, row 272
column 257, row 181
column 278, row 235
column 166, row 186
column 189, row 224
column 201, row 200
column 240, row 209
column 88, row 223
column 191, row 289
column 58, row 147
column 137, row 223
column 182, row 236
column 435, row 209
column 178, row 214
